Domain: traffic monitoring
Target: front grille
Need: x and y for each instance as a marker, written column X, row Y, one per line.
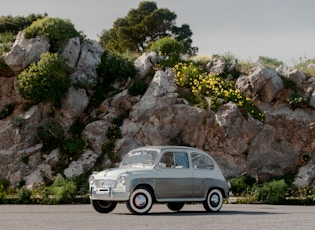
column 105, row 183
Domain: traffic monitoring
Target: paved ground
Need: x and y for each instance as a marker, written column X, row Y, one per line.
column 231, row 216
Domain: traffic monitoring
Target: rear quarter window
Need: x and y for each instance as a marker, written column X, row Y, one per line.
column 201, row 161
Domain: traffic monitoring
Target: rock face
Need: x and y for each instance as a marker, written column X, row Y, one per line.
column 25, row 51
column 283, row 143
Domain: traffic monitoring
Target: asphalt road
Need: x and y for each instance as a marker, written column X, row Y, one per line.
column 231, row 216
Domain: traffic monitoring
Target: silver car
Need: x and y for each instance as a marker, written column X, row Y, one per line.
column 173, row 175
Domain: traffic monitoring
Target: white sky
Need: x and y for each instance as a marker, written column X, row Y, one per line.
column 282, row 29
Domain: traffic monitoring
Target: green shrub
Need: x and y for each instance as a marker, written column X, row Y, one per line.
column 108, row 148
column 63, row 191
column 272, row 63
column 6, row 40
column 26, row 160
column 139, row 87
column 6, row 111
column 3, row 194
column 73, row 147
column 45, row 80
column 297, row 100
column 169, row 48
column 57, row 30
column 115, row 67
column 212, row 90
column 76, row 128
column 307, row 66
column 51, row 133
column 24, row 196
column 118, row 121
column 113, row 132
column 245, row 67
column 18, row 121
column 273, row 192
column 241, row 185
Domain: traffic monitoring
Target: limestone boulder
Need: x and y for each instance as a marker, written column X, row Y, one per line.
column 297, row 77
column 89, row 58
column 145, row 62
column 94, row 135
column 77, row 168
column 160, row 93
column 216, row 66
column 25, row 51
column 306, row 175
column 312, row 100
column 262, row 81
column 71, row 52
column 75, row 102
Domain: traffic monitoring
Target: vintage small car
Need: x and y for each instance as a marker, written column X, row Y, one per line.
column 174, row 175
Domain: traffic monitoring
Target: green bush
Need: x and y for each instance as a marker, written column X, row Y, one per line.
column 6, row 111
column 241, row 185
column 273, row 192
column 118, row 121
column 57, row 30
column 24, row 196
column 45, row 80
column 211, row 90
column 139, row 87
column 272, row 63
column 51, row 133
column 18, row 121
column 307, row 66
column 6, row 40
column 76, row 128
column 115, row 67
column 63, row 191
column 169, row 48
column 73, row 147
column 297, row 100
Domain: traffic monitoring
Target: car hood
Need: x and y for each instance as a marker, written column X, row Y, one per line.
column 116, row 172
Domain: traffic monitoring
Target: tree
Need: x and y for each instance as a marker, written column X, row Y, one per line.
column 145, row 25
column 15, row 24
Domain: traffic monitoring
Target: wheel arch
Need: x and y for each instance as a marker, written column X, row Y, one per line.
column 219, row 188
column 145, row 185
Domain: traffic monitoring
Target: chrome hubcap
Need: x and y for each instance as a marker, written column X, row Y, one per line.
column 214, row 200
column 140, row 200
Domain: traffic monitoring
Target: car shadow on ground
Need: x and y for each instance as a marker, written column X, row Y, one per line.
column 203, row 213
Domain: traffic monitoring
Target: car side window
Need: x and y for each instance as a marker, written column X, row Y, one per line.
column 201, row 161
column 175, row 160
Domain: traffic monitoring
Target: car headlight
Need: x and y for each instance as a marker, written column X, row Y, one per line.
column 122, row 180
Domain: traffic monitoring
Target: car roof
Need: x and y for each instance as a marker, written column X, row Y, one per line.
column 163, row 147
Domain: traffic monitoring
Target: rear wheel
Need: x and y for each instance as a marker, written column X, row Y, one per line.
column 140, row 201
column 214, row 201
column 103, row 206
column 175, row 206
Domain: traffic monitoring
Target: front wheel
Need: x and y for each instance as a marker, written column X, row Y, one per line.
column 214, row 201
column 103, row 206
column 140, row 201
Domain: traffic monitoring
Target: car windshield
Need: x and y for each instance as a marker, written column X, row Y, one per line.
column 140, row 158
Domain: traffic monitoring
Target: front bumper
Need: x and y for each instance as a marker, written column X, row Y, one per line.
column 108, row 194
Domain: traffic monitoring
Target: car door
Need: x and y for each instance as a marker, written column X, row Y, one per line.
column 174, row 176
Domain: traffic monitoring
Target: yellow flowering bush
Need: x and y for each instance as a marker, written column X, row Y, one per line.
column 211, row 89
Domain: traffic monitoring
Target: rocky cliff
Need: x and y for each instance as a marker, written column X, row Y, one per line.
column 283, row 143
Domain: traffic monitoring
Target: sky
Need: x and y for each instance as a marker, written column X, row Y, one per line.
column 247, row 29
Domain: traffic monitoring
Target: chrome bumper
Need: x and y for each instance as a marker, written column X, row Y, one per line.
column 108, row 194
